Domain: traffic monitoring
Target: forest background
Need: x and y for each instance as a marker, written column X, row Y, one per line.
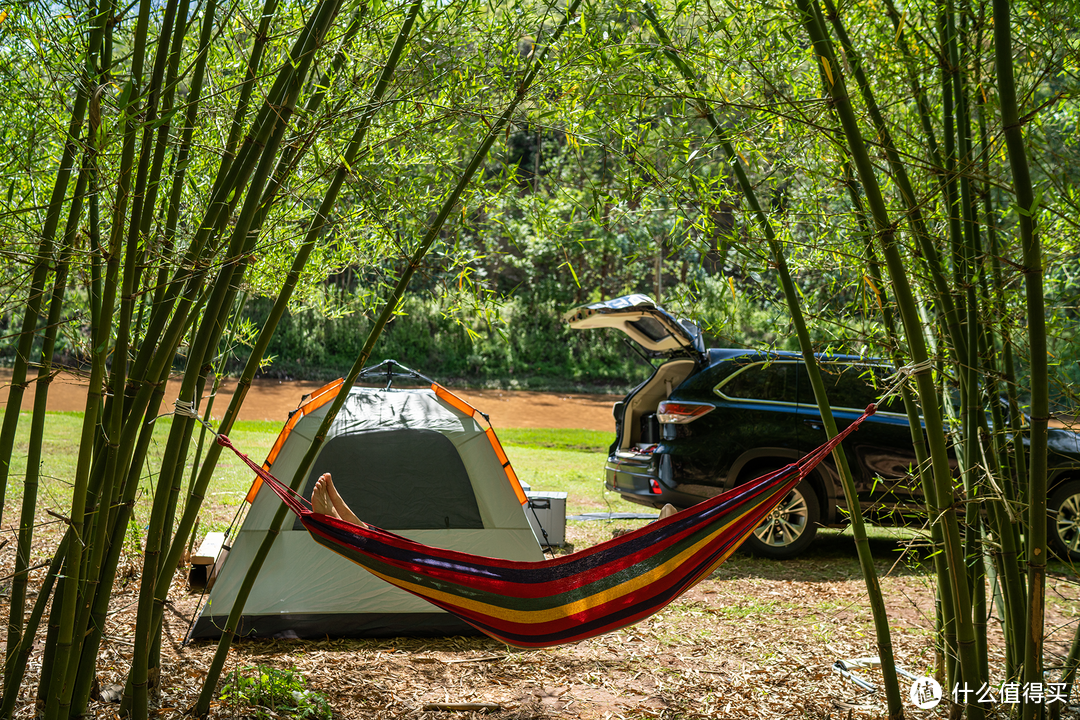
column 608, row 181
column 234, row 187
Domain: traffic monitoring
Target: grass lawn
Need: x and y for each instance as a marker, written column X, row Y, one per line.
column 60, row 457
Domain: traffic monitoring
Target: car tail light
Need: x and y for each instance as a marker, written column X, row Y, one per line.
column 680, row 413
column 654, row 487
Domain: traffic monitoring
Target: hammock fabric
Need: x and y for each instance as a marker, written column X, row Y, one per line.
column 569, row 598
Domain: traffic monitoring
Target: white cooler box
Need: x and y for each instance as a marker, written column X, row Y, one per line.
column 547, row 510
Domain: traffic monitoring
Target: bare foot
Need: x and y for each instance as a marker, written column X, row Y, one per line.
column 321, row 501
column 325, row 496
column 667, row 511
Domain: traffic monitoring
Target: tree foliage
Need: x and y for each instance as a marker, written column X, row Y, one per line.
column 178, row 176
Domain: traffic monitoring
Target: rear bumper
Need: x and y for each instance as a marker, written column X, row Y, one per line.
column 637, row 478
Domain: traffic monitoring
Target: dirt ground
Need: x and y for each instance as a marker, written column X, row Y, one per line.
column 273, row 399
column 756, row 640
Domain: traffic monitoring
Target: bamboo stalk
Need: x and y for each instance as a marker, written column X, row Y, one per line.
column 197, row 490
column 112, row 470
column 114, row 523
column 36, row 293
column 247, row 85
column 69, row 639
column 168, row 323
column 62, row 683
column 159, row 342
column 1027, row 208
column 942, row 501
column 206, row 337
column 118, row 525
column 792, row 295
column 203, row 705
column 169, row 55
column 295, row 150
column 17, row 602
column 21, row 654
column 183, row 151
column 48, row 654
column 944, row 611
column 165, row 327
column 951, row 321
column 1012, row 470
column 974, row 415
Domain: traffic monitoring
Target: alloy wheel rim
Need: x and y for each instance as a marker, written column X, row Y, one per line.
column 787, row 522
column 1068, row 523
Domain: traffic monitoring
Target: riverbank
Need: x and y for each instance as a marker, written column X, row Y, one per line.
column 272, row 400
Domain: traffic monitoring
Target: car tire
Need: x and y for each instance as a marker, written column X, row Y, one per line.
column 1063, row 525
column 790, row 528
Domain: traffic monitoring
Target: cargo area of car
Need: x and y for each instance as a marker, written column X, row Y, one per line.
column 640, row 430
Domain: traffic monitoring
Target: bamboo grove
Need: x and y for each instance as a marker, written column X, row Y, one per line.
column 893, row 181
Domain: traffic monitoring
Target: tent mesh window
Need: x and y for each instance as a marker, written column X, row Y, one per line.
column 399, row 479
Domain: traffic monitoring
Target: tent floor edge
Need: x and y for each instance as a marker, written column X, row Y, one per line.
column 314, row 626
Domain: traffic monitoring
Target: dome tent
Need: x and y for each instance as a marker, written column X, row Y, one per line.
column 411, row 460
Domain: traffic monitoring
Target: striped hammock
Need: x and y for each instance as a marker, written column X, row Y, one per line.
column 576, row 596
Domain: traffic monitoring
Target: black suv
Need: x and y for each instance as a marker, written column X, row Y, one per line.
column 710, row 419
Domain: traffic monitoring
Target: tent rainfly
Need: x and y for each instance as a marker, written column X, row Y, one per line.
column 414, row 461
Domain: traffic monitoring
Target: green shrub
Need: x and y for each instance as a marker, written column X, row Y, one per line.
column 271, row 693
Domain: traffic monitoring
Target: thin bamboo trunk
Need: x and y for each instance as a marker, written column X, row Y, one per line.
column 62, row 683
column 792, row 295
column 48, row 653
column 1027, row 208
column 909, row 314
column 17, row 603
column 183, row 151
column 974, row 414
column 69, row 639
column 118, row 526
column 449, row 205
column 951, row 321
column 206, row 338
column 38, row 278
column 945, row 640
column 1013, row 469
column 168, row 323
column 169, row 55
column 316, row 229
column 22, row 653
column 254, row 63
column 165, row 327
column 160, row 342
column 130, row 454
column 1004, row 520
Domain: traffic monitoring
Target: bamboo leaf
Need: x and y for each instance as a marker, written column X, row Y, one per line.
column 827, row 67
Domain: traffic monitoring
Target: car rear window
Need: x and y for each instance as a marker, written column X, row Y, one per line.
column 650, row 328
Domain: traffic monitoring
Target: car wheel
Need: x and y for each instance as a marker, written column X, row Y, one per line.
column 790, row 527
column 1063, row 529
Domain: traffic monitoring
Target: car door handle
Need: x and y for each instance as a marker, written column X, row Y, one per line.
column 814, row 424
